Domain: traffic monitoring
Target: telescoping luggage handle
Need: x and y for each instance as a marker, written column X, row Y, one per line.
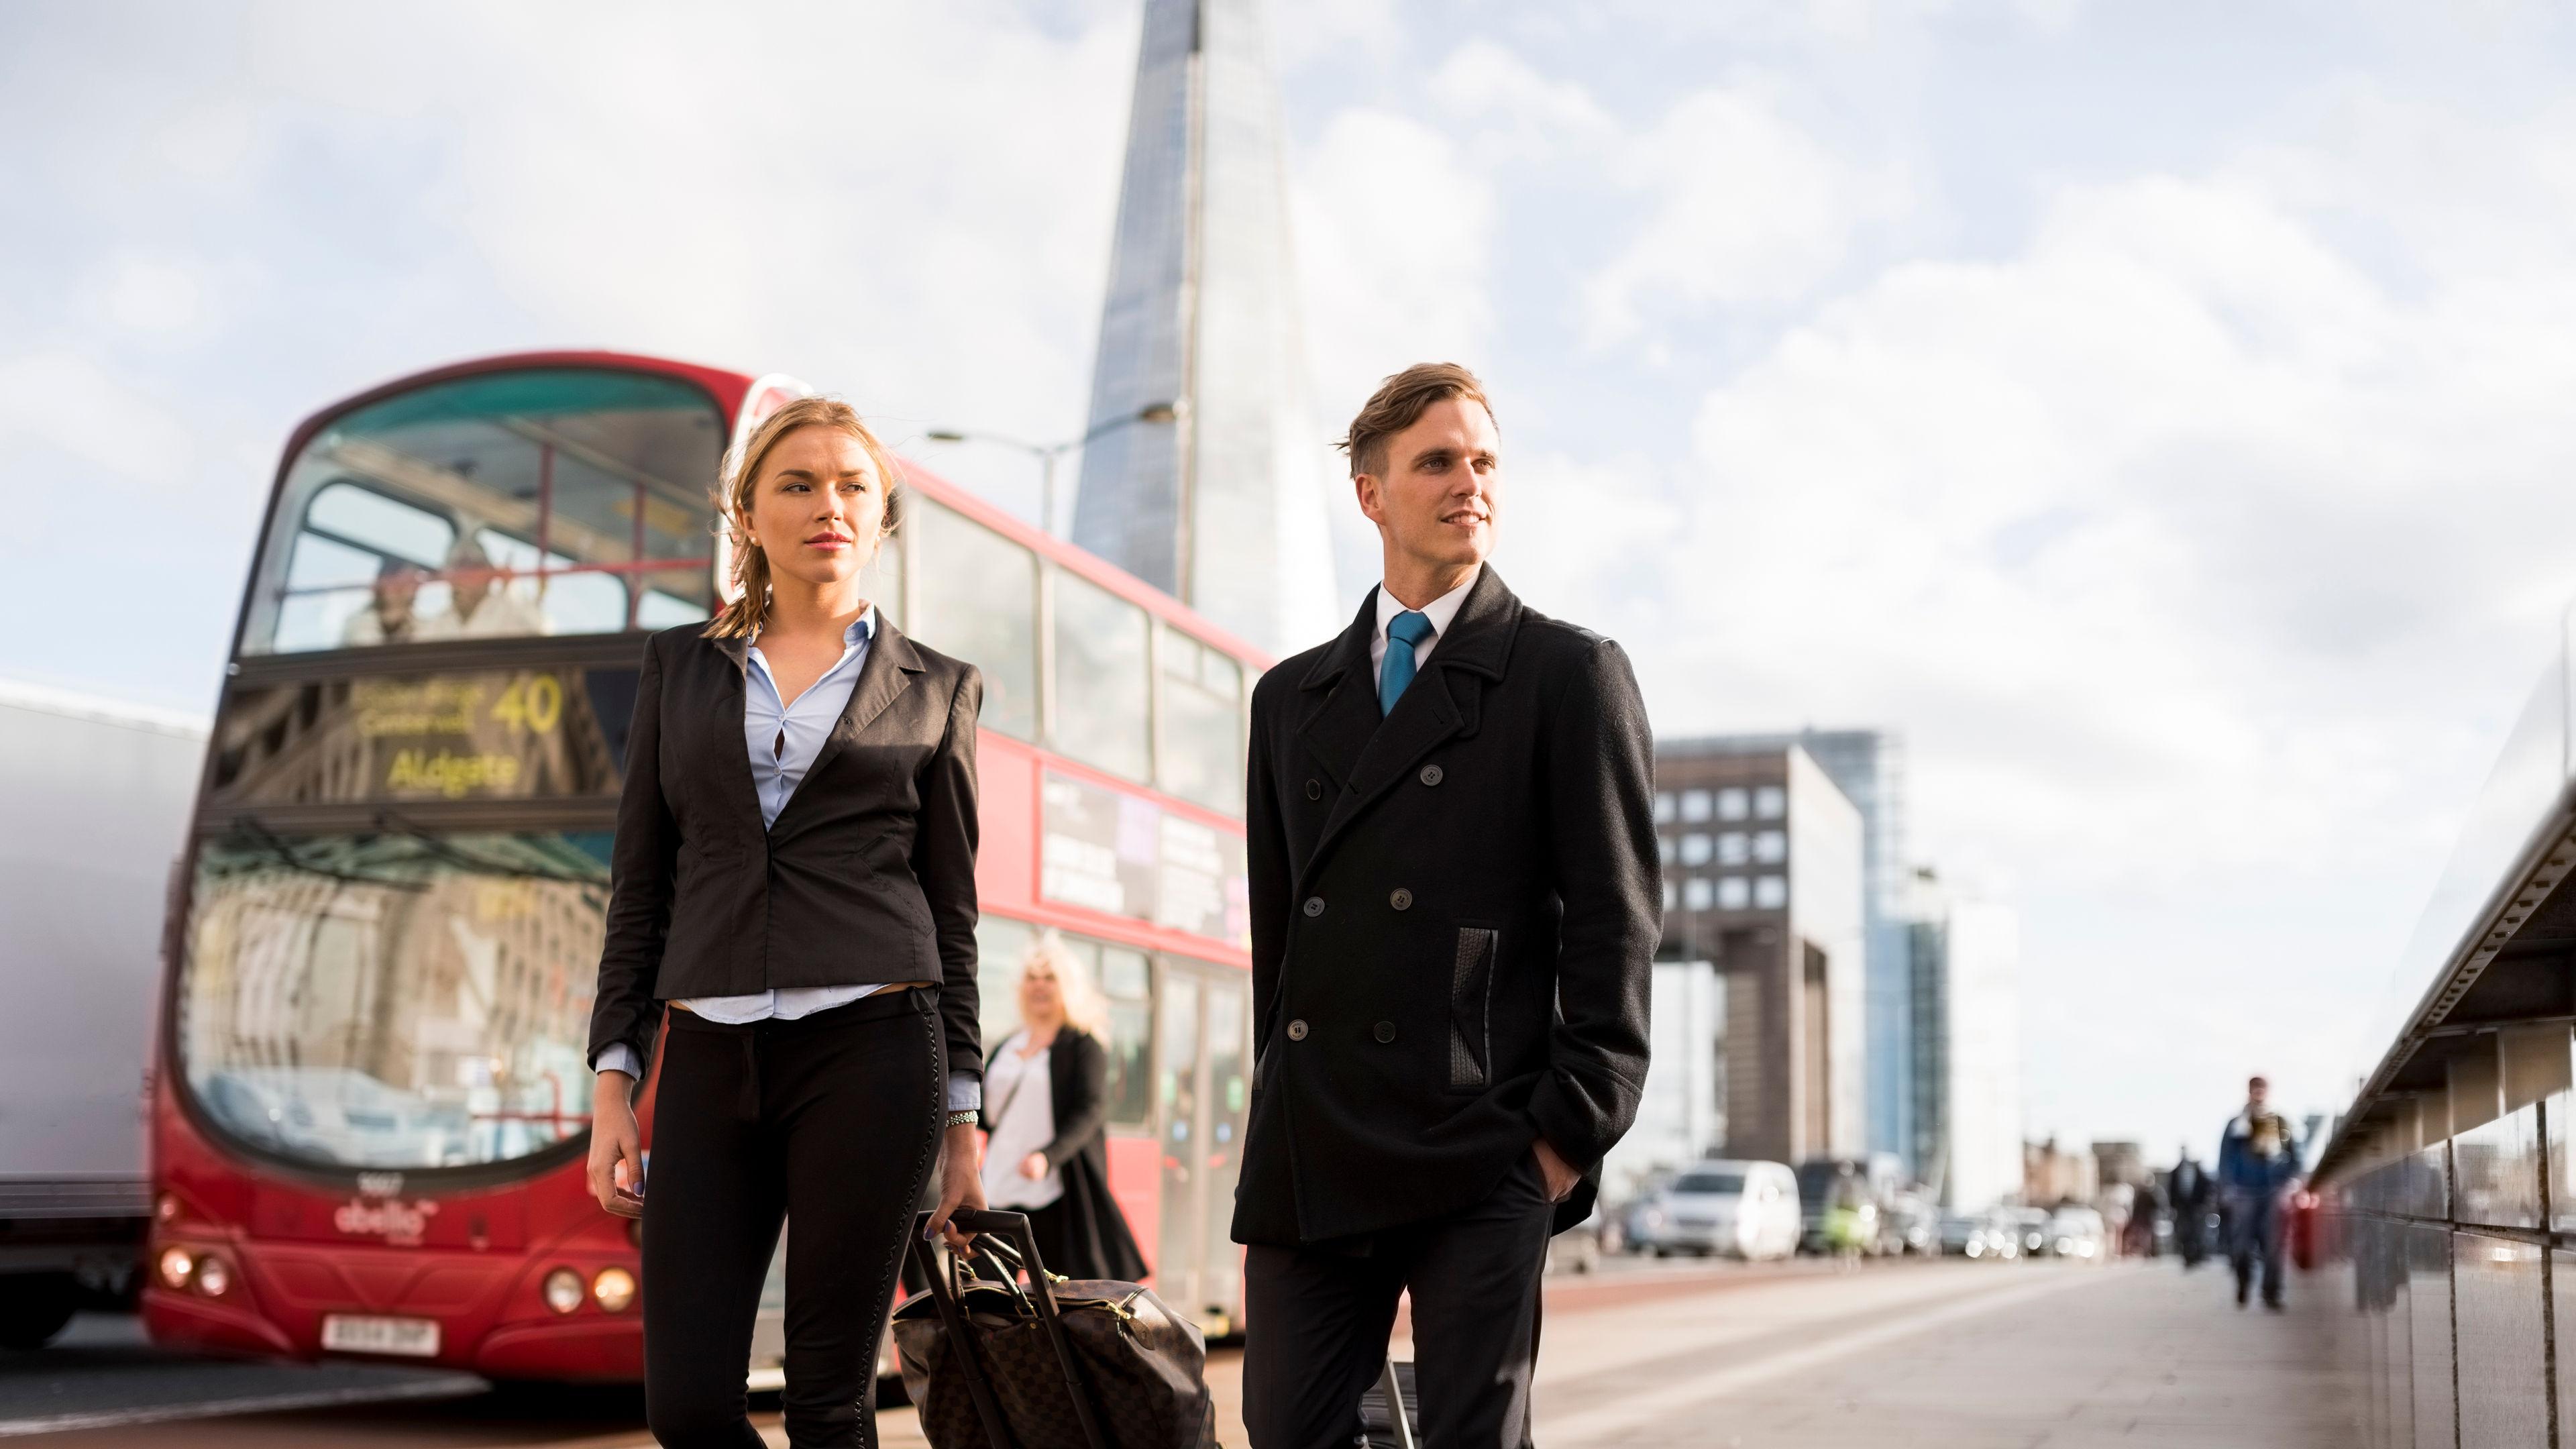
column 961, row 1342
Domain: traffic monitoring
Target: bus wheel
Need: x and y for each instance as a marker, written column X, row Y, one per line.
column 34, row 1307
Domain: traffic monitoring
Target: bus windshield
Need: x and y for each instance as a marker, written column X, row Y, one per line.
column 541, row 501
column 393, row 1000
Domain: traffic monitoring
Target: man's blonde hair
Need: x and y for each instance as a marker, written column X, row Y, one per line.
column 1399, row 403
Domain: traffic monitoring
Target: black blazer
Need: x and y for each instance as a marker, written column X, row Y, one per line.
column 1454, row 918
column 868, row 876
column 1078, row 1087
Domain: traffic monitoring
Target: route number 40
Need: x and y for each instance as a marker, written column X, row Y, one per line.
column 534, row 703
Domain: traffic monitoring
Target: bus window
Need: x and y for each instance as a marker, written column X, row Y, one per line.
column 1102, row 687
column 882, row 580
column 1001, row 944
column 393, row 1000
column 542, row 501
column 979, row 603
column 1127, row 986
column 1202, row 733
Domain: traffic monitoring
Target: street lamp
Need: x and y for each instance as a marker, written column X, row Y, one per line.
column 1048, row 453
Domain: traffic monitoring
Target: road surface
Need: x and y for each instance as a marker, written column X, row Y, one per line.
column 1925, row 1355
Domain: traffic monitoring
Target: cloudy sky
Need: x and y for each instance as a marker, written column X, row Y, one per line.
column 2157, row 413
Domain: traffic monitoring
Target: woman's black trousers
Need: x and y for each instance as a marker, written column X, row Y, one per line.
column 831, row 1123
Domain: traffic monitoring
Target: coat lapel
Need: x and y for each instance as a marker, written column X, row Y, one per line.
column 739, row 787
column 1442, row 703
column 1341, row 699
column 886, row 674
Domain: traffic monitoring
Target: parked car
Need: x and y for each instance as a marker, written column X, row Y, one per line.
column 2030, row 1230
column 1963, row 1235
column 2076, row 1232
column 1993, row 1235
column 1744, row 1210
column 1910, row 1224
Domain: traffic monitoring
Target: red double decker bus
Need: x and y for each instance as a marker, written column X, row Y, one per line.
column 371, row 1096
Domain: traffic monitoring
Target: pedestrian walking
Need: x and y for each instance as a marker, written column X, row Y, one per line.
column 2146, row 1205
column 1046, row 1110
column 792, row 915
column 2189, row 1189
column 2258, row 1160
column 1455, row 902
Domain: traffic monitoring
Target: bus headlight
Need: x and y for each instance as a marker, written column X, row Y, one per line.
column 563, row 1290
column 176, row 1265
column 214, row 1276
column 614, row 1288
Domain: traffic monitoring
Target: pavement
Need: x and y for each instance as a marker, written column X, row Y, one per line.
column 1797, row 1356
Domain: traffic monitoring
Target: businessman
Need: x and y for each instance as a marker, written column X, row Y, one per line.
column 1455, row 908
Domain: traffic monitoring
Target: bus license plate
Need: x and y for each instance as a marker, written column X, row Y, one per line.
column 354, row 1333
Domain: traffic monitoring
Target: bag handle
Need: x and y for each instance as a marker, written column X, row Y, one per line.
column 961, row 1343
column 1016, row 1227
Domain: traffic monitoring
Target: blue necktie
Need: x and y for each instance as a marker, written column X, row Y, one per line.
column 1404, row 633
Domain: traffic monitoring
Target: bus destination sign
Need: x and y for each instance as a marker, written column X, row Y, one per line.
column 469, row 735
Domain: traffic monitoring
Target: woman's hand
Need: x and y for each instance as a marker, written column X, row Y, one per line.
column 958, row 1184
column 1034, row 1166
column 616, row 1146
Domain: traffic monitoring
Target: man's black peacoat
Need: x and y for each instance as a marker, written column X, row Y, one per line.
column 1455, row 910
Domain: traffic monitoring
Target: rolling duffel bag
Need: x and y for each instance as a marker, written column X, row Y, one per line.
column 1053, row 1364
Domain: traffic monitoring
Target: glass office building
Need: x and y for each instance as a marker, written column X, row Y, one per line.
column 1209, row 476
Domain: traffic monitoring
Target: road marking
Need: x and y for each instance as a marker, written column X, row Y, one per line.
column 447, row 1386
column 1635, row 1411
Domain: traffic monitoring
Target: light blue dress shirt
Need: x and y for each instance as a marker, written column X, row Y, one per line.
column 782, row 740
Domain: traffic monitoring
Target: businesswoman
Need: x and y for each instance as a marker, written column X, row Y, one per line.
column 794, row 877
column 1047, row 1111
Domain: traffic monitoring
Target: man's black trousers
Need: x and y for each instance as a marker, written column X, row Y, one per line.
column 1317, row 1321
column 831, row 1122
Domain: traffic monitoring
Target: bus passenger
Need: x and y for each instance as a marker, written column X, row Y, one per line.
column 479, row 602
column 794, row 878
column 388, row 617
column 1048, row 1113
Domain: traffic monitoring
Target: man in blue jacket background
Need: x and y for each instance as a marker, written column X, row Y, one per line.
column 2258, row 1159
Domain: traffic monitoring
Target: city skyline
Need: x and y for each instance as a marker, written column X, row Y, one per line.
column 2120, row 406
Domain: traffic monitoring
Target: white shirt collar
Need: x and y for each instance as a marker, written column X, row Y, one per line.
column 1439, row 611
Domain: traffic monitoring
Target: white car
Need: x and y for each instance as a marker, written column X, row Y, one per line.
column 1744, row 1210
column 2076, row 1232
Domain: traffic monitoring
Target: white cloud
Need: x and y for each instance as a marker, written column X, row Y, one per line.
column 1520, row 112
column 67, row 402
column 2199, row 559
column 1395, row 238
column 1746, row 209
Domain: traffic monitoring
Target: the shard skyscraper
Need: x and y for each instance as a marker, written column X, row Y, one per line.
column 1224, row 505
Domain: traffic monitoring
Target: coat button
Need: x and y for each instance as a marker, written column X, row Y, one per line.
column 1314, row 905
column 1297, row 1029
column 1402, row 900
column 1314, row 789
column 1385, row 1031
column 1431, row 774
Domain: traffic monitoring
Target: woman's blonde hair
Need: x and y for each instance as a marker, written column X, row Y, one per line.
column 749, row 609
column 1083, row 1007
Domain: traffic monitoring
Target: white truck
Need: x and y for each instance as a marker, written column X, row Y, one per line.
column 94, row 802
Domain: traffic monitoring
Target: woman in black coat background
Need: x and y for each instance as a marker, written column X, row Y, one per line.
column 1046, row 1108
